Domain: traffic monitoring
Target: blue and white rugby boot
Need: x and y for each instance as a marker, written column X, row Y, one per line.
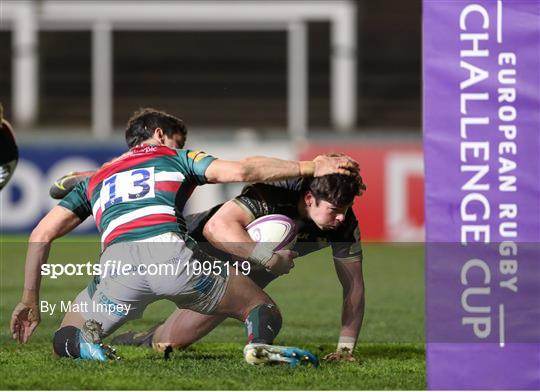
column 90, row 345
column 259, row 353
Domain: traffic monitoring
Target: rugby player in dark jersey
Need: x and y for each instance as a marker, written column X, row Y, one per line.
column 321, row 210
column 9, row 154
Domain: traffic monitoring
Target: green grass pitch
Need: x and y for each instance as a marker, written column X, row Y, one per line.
column 390, row 354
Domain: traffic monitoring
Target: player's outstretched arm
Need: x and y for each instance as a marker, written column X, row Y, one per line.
column 25, row 317
column 351, row 277
column 226, row 231
column 263, row 169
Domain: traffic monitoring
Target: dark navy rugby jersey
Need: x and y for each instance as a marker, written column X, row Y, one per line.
column 282, row 197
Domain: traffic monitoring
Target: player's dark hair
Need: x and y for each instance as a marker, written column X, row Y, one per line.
column 337, row 189
column 142, row 124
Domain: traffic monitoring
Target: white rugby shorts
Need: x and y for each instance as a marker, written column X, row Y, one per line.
column 135, row 274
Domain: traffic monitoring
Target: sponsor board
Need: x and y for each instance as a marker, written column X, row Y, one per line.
column 25, row 200
column 482, row 142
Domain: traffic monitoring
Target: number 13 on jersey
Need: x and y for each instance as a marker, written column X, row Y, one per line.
column 132, row 185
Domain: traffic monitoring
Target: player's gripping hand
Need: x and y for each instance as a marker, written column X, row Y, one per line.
column 24, row 320
column 340, row 355
column 281, row 262
column 342, row 164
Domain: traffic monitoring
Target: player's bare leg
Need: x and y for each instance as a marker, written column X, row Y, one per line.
column 243, row 300
column 246, row 301
column 183, row 328
column 241, row 296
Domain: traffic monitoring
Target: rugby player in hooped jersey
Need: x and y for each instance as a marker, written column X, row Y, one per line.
column 137, row 200
column 322, row 213
column 321, row 210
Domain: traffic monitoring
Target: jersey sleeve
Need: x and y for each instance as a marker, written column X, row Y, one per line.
column 77, row 202
column 258, row 200
column 347, row 246
column 195, row 164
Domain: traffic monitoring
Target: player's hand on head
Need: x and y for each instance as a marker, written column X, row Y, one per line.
column 281, row 262
column 24, row 320
column 343, row 355
column 341, row 164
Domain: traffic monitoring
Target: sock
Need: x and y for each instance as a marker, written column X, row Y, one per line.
column 66, row 342
column 263, row 324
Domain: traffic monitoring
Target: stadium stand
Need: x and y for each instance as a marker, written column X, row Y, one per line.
column 232, row 78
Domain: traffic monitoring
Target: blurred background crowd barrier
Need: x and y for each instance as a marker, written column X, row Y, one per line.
column 283, row 78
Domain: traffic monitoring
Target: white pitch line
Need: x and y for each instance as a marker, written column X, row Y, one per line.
column 499, row 21
column 501, row 325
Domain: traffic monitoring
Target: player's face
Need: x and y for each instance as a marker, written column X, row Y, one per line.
column 326, row 216
column 177, row 140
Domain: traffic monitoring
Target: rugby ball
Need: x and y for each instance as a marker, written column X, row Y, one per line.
column 278, row 231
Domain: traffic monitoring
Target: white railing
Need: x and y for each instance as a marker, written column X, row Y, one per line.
column 25, row 18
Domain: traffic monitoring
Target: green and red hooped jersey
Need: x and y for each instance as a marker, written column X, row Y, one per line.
column 140, row 194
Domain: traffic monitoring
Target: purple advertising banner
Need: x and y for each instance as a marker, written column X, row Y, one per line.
column 481, row 72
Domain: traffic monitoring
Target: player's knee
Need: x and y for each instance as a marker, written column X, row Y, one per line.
column 66, row 342
column 260, row 298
